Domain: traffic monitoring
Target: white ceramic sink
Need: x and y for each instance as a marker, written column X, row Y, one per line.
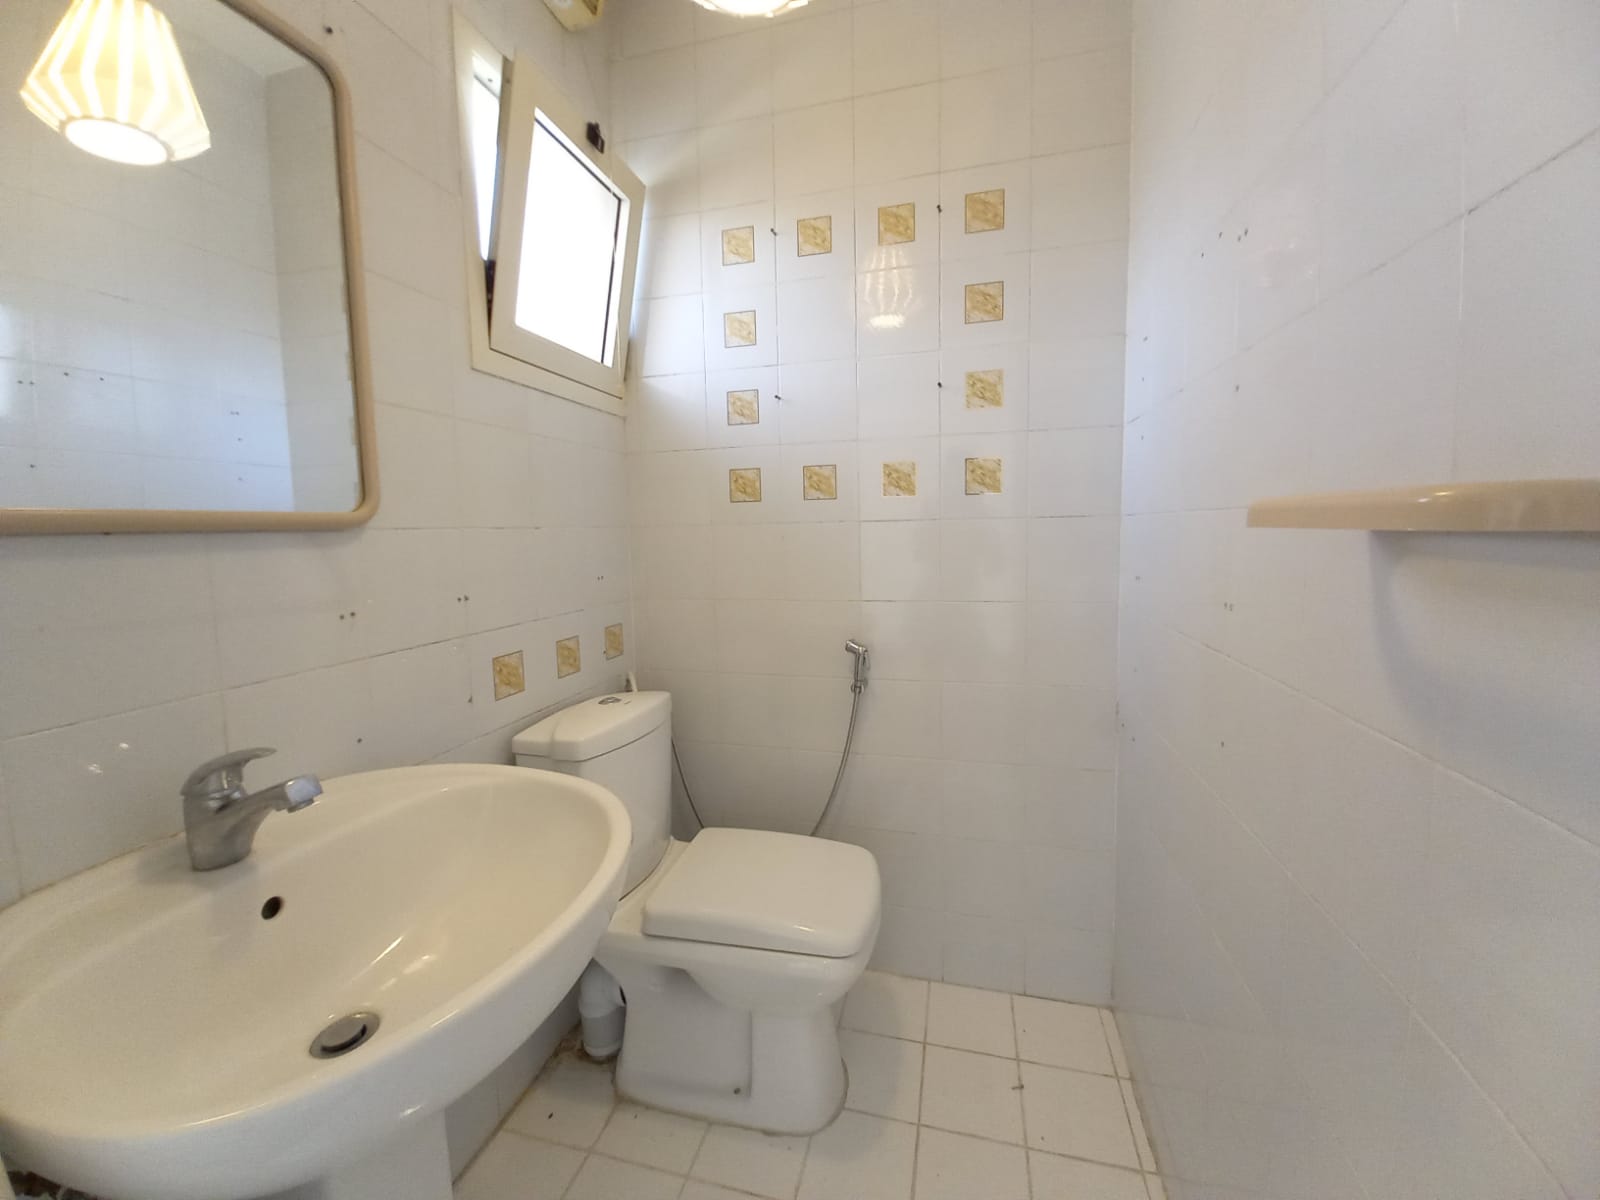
column 155, row 1026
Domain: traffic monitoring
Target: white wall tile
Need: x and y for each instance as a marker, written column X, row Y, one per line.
column 735, row 162
column 896, row 44
column 1529, row 301
column 733, row 77
column 813, row 149
column 867, row 365
column 897, row 134
column 1080, row 101
column 87, row 792
column 811, row 61
column 984, row 118
column 1331, row 271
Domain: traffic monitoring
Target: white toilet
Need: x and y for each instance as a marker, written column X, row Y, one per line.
column 731, row 949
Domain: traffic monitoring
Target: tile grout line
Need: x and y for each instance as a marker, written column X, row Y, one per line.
column 922, row 1083
column 1022, row 1102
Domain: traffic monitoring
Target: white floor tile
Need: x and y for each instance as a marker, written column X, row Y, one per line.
column 696, row 1190
column 888, row 1004
column 974, row 1093
column 1114, row 1036
column 885, row 1074
column 1141, row 1140
column 608, row 1179
column 511, row 1167
column 1057, row 1178
column 971, row 1019
column 570, row 1104
column 1071, row 1112
column 1158, row 1190
column 653, row 1138
column 750, row 1161
column 1062, row 1035
column 952, row 1167
column 860, row 1157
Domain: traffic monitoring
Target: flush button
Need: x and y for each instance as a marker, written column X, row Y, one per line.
column 612, row 700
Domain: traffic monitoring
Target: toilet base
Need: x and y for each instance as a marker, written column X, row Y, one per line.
column 794, row 1081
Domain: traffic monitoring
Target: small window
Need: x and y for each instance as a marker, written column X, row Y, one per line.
column 554, row 232
column 574, row 230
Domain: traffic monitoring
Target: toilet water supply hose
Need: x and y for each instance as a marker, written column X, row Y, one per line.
column 858, row 685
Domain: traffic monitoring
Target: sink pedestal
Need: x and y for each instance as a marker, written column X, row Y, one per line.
column 413, row 1166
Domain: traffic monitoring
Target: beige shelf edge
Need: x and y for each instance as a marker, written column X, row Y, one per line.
column 1517, row 506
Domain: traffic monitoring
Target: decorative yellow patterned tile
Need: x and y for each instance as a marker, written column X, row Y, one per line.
column 744, row 485
column 985, row 302
column 738, row 245
column 744, row 407
column 983, row 476
column 613, row 641
column 507, row 670
column 986, row 211
column 821, row 482
column 814, row 235
column 897, row 224
column 986, row 389
column 569, row 661
column 900, row 479
column 739, row 328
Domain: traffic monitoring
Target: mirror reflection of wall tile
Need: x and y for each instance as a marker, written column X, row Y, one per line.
column 208, row 296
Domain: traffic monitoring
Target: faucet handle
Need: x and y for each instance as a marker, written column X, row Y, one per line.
column 224, row 773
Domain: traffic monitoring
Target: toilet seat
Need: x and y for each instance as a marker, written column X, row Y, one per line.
column 767, row 891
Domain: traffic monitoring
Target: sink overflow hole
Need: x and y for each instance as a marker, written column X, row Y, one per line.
column 272, row 908
column 344, row 1035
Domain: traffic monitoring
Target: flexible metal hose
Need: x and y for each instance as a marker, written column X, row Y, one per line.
column 856, row 688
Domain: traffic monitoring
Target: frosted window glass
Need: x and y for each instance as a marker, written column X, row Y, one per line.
column 571, row 236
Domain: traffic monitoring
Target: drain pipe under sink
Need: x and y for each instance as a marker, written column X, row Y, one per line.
column 601, row 1008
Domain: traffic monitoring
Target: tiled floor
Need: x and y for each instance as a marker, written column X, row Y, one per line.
column 955, row 1094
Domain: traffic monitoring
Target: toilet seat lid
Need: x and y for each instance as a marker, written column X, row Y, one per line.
column 768, row 891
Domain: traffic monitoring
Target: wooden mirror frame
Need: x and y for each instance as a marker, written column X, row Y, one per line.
column 181, row 520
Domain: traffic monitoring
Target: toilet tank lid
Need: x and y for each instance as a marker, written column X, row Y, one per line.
column 594, row 727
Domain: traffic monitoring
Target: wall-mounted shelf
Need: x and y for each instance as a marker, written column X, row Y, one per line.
column 1517, row 506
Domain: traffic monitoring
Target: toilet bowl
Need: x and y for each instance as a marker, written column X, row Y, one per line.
column 732, row 949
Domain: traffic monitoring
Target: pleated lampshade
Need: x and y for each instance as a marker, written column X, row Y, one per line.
column 111, row 80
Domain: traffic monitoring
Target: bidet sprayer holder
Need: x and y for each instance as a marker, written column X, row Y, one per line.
column 858, row 679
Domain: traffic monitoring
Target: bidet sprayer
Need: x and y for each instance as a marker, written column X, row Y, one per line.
column 858, row 680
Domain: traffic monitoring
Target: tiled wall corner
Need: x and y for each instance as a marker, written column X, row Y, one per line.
column 814, row 485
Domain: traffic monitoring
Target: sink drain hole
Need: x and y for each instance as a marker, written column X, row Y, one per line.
column 344, row 1035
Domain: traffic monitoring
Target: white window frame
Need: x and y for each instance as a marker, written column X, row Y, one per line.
column 524, row 357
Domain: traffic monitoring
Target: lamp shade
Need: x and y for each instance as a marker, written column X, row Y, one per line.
column 112, row 82
column 751, row 8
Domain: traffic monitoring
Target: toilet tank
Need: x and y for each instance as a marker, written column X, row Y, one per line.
column 623, row 742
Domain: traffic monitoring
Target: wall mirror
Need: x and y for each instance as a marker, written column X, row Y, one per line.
column 181, row 321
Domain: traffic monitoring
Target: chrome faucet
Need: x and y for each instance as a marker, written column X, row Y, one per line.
column 220, row 818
